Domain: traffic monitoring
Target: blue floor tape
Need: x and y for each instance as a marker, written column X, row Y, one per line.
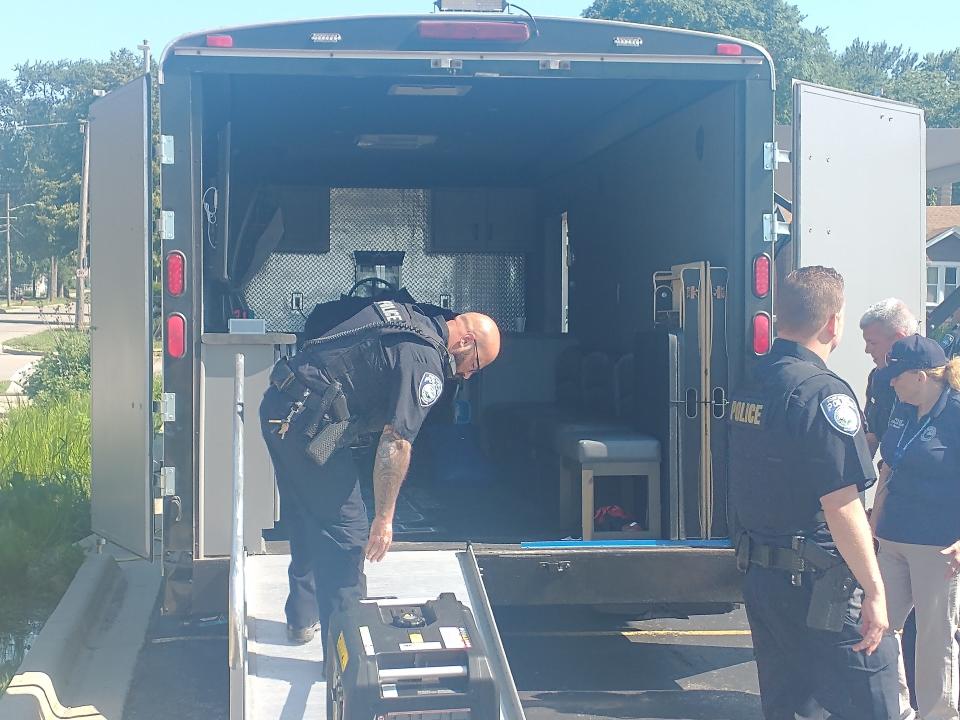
column 561, row 544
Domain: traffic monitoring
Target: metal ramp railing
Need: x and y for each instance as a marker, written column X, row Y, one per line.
column 237, row 612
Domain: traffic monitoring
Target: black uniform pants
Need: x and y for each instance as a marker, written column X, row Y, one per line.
column 803, row 670
column 325, row 518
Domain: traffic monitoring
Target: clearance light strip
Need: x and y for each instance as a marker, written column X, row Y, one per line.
column 426, row 55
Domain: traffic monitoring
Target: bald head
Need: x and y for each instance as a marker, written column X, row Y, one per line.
column 474, row 342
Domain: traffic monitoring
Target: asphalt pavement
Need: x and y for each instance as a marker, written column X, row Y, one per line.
column 582, row 664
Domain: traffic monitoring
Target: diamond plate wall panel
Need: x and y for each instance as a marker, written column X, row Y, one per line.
column 387, row 219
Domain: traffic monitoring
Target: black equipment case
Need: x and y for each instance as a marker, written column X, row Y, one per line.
column 398, row 659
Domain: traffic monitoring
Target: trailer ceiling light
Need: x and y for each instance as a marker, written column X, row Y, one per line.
column 176, row 335
column 430, row 90
column 220, row 41
column 621, row 41
column 395, row 142
column 326, row 38
column 471, row 5
column 515, row 32
column 761, row 333
column 729, row 49
column 761, row 275
column 176, row 273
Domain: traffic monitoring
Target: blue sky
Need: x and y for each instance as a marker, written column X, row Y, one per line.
column 52, row 29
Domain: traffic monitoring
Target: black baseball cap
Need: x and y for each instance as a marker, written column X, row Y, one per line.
column 914, row 352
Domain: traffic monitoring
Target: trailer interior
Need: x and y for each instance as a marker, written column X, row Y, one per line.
column 546, row 202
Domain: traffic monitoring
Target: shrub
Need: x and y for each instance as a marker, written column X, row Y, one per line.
column 65, row 369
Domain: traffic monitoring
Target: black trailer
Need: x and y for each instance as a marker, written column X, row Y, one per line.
column 603, row 189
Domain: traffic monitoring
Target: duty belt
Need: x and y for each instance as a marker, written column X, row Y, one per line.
column 328, row 400
column 802, row 556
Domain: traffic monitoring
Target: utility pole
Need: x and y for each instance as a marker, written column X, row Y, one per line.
column 145, row 49
column 80, row 319
column 9, row 278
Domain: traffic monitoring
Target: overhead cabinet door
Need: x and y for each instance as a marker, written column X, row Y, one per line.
column 120, row 336
column 859, row 197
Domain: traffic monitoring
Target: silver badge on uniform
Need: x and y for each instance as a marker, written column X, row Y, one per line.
column 842, row 413
column 928, row 434
column 430, row 388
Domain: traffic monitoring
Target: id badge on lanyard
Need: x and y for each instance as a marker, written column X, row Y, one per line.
column 902, row 446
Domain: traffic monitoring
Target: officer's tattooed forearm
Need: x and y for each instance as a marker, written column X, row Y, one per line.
column 389, row 470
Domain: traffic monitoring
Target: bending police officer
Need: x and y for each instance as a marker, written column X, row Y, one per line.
column 380, row 371
column 798, row 460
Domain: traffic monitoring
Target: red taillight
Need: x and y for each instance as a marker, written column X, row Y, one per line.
column 729, row 49
column 176, row 335
column 219, row 41
column 761, row 275
column 176, row 273
column 761, row 333
column 469, row 30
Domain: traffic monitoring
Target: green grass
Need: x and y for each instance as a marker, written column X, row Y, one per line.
column 46, row 439
column 44, row 511
column 40, row 343
column 4, row 386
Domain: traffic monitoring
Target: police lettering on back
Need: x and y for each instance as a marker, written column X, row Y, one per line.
column 388, row 311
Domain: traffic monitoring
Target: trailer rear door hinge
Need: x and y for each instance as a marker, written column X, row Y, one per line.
column 168, row 481
column 773, row 228
column 554, row 64
column 446, row 63
column 165, row 151
column 167, row 407
column 166, row 224
column 773, row 156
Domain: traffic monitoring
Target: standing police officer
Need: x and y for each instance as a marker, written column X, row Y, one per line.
column 882, row 325
column 799, row 460
column 380, row 371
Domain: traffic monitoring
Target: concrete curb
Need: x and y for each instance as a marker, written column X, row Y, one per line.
column 52, row 660
column 14, row 351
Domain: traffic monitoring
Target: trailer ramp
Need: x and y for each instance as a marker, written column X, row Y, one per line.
column 286, row 682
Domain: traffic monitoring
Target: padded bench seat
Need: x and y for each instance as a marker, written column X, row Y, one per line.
column 599, row 444
column 602, row 450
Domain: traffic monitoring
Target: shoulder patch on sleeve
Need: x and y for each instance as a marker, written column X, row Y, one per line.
column 430, row 388
column 842, row 413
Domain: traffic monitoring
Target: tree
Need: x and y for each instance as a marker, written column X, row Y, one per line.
column 774, row 24
column 44, row 163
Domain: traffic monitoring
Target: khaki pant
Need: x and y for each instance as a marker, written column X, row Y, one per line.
column 915, row 577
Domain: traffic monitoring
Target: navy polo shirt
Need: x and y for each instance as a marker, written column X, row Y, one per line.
column 923, row 502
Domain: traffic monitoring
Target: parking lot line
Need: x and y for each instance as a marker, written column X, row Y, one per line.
column 627, row 633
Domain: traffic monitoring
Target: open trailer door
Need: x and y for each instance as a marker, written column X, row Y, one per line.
column 859, row 197
column 120, row 335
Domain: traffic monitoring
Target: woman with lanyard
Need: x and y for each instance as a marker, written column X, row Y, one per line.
column 918, row 518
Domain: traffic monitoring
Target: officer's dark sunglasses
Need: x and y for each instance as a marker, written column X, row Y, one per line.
column 476, row 349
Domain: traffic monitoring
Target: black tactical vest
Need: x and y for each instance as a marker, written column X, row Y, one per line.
column 352, row 355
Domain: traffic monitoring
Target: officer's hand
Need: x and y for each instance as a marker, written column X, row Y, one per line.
column 952, row 556
column 381, row 537
column 873, row 623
